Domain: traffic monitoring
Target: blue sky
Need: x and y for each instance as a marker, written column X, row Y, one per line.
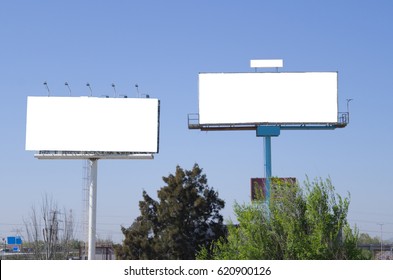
column 162, row 46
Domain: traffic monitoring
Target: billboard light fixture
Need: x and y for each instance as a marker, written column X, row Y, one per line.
column 47, row 88
column 68, row 86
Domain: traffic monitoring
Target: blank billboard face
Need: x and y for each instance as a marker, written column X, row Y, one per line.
column 260, row 98
column 92, row 124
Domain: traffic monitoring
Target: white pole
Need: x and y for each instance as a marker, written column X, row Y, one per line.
column 92, row 209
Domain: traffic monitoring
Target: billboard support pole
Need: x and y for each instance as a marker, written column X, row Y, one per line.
column 92, row 209
column 140, row 140
column 268, row 166
column 267, row 132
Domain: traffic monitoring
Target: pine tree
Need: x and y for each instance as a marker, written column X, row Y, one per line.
column 186, row 218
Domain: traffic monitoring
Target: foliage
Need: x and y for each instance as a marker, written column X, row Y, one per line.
column 185, row 218
column 298, row 224
column 365, row 238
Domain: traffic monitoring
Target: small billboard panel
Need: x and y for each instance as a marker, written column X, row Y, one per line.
column 92, row 124
column 259, row 190
column 262, row 98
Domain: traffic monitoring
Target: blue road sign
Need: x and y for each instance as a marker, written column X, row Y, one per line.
column 11, row 240
column 14, row 240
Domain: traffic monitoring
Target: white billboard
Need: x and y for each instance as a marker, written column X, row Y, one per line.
column 261, row 98
column 92, row 124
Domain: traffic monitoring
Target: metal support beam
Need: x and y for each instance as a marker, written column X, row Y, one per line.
column 268, row 130
column 92, row 209
column 89, row 155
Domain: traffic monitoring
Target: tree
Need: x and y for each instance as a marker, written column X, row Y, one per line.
column 50, row 232
column 366, row 239
column 298, row 224
column 185, row 218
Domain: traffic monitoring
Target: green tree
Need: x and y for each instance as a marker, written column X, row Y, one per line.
column 365, row 238
column 303, row 224
column 185, row 218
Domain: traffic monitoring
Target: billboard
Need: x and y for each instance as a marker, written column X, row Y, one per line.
column 259, row 190
column 262, row 98
column 92, row 124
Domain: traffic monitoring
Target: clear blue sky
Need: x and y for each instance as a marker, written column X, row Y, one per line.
column 162, row 46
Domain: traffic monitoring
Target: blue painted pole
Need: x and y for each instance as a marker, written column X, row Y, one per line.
column 268, row 166
column 267, row 132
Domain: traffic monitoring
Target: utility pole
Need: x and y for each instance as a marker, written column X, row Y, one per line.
column 5, row 247
column 381, row 239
